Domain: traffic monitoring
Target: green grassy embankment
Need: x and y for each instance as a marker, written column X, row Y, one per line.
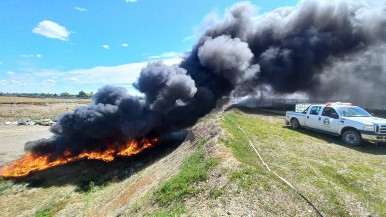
column 340, row 180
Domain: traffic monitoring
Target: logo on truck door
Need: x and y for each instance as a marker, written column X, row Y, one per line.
column 326, row 121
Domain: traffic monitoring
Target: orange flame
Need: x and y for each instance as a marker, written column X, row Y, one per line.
column 33, row 162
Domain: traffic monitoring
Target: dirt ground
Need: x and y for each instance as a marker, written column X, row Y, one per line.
column 13, row 138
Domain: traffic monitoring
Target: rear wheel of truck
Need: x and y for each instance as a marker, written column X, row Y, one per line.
column 295, row 124
column 352, row 138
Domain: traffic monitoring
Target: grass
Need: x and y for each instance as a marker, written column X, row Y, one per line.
column 28, row 100
column 176, row 209
column 57, row 204
column 4, row 185
column 45, row 211
column 173, row 192
column 246, row 178
column 215, row 192
column 340, row 180
column 12, row 111
column 52, row 208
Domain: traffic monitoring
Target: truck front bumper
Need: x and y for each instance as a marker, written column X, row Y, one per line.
column 373, row 137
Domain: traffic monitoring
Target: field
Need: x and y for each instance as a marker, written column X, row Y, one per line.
column 28, row 100
column 12, row 137
column 18, row 108
column 215, row 172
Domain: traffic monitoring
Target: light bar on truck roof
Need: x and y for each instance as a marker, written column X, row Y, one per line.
column 338, row 103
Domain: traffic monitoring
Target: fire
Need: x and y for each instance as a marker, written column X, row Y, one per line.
column 33, row 162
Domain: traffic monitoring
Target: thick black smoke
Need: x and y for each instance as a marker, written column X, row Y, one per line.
column 319, row 48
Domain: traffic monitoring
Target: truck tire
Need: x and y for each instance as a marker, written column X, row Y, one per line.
column 352, row 138
column 295, row 124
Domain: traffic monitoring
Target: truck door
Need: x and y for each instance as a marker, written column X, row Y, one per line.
column 312, row 118
column 329, row 120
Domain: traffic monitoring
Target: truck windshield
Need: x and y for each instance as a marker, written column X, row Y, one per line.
column 353, row 112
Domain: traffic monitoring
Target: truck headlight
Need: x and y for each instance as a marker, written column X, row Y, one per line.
column 368, row 128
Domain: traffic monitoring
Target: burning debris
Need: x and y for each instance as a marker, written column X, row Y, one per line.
column 309, row 48
column 36, row 162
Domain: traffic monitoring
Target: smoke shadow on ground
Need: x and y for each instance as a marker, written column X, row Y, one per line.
column 366, row 147
column 86, row 174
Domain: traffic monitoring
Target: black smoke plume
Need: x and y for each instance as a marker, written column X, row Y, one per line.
column 319, row 48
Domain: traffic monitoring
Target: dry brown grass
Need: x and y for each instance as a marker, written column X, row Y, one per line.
column 17, row 108
column 28, row 100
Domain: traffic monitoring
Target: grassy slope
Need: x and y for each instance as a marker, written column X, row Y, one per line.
column 173, row 191
column 341, row 181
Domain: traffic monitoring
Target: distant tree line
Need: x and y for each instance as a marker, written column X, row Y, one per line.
column 82, row 94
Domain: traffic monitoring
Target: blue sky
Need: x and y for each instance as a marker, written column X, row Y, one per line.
column 68, row 46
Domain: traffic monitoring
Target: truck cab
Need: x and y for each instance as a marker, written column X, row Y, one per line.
column 352, row 123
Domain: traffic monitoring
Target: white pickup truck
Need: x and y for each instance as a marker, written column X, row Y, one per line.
column 352, row 123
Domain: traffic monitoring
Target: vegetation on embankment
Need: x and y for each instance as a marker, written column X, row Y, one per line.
column 339, row 180
column 216, row 172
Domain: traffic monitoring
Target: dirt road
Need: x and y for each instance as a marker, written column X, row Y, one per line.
column 13, row 138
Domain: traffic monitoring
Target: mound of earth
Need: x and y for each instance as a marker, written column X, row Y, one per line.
column 91, row 188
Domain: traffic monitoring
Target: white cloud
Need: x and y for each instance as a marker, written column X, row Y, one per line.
column 132, row 1
column 106, row 46
column 52, row 30
column 27, row 56
column 189, row 38
column 124, row 45
column 100, row 75
column 78, row 79
column 81, row 9
column 49, row 82
column 126, row 73
column 72, row 80
column 11, row 73
column 19, row 83
column 166, row 55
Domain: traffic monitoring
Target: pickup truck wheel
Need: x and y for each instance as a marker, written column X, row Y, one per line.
column 351, row 138
column 295, row 124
